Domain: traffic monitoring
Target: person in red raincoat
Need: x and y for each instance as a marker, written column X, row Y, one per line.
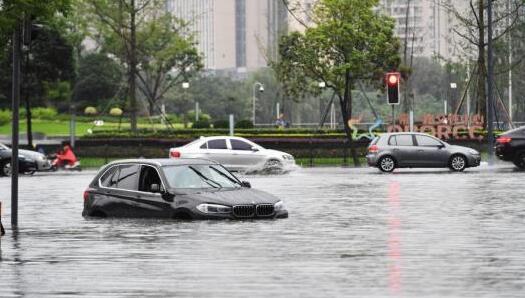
column 65, row 157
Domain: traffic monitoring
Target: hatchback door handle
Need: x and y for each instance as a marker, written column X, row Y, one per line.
column 420, row 150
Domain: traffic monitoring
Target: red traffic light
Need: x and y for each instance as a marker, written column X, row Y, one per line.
column 392, row 79
column 392, row 86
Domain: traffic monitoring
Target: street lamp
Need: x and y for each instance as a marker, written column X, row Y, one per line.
column 453, row 86
column 186, row 85
column 261, row 89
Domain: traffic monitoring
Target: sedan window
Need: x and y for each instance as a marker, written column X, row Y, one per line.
column 128, row 177
column 427, row 141
column 240, row 145
column 404, row 140
column 217, row 144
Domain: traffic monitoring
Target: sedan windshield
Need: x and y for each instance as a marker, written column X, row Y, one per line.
column 200, row 176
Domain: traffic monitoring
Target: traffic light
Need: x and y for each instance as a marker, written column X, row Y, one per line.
column 392, row 87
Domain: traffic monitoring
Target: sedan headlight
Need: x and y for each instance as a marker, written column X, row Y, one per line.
column 278, row 206
column 473, row 152
column 287, row 157
column 214, row 209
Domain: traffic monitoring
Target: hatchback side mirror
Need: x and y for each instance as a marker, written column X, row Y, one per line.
column 246, row 184
column 441, row 146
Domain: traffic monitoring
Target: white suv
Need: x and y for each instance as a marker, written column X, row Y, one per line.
column 236, row 154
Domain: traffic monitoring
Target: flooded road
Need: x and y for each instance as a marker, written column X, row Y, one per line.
column 351, row 233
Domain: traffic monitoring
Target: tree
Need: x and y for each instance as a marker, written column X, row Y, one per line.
column 350, row 42
column 117, row 21
column 99, row 80
column 472, row 30
column 165, row 55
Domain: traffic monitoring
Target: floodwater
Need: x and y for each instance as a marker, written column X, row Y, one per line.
column 351, row 233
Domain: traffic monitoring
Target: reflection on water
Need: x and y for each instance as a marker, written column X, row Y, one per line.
column 351, row 233
column 394, row 250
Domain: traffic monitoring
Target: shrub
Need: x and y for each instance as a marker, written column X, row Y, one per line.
column 201, row 124
column 116, row 112
column 221, row 124
column 90, row 111
column 244, row 124
column 44, row 113
column 5, row 117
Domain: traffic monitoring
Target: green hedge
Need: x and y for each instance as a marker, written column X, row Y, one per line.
column 147, row 133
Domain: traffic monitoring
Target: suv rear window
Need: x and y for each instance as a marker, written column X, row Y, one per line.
column 128, row 177
column 217, row 144
column 110, row 177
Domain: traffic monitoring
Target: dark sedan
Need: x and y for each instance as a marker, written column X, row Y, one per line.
column 510, row 146
column 176, row 188
column 25, row 165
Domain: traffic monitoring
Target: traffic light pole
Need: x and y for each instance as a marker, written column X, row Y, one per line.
column 14, row 134
column 393, row 115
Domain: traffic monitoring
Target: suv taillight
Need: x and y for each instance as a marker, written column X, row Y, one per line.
column 373, row 149
column 175, row 154
column 503, row 140
column 86, row 195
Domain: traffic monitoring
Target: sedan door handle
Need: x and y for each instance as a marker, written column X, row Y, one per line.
column 420, row 150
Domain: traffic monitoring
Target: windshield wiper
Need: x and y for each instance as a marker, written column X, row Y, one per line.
column 226, row 176
column 206, row 179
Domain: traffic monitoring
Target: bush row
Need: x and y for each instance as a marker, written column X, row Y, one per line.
column 36, row 113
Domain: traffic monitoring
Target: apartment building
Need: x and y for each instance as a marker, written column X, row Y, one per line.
column 234, row 35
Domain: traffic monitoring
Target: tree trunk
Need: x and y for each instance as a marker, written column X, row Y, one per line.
column 346, row 111
column 481, row 106
column 133, row 70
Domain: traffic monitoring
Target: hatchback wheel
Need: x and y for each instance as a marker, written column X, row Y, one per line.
column 458, row 163
column 520, row 161
column 387, row 164
column 5, row 168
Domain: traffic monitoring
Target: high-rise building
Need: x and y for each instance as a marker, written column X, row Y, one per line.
column 429, row 29
column 238, row 35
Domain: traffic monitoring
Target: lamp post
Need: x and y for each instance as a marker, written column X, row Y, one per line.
column 453, row 86
column 185, row 86
column 261, row 89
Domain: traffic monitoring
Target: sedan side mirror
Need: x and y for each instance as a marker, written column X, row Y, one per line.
column 155, row 188
column 255, row 149
column 441, row 146
column 246, row 184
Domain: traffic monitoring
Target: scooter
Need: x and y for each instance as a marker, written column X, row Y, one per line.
column 56, row 165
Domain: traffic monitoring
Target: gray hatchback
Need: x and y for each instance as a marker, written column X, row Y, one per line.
column 418, row 150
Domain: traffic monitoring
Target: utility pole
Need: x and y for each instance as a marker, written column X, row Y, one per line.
column 490, row 91
column 15, row 130
column 510, row 63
